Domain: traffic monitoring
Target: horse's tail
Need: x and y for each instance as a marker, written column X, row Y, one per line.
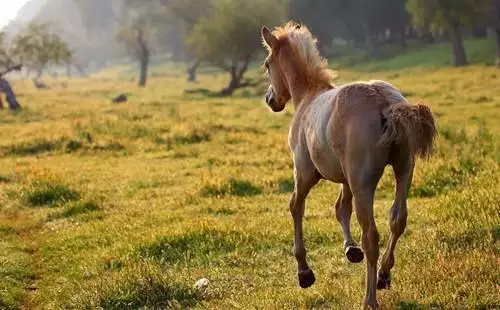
column 406, row 123
column 413, row 124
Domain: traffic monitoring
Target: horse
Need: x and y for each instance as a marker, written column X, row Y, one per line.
column 345, row 134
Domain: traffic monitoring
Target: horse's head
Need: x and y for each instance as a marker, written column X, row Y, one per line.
column 294, row 65
column 277, row 94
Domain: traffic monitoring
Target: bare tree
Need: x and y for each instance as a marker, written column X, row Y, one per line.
column 137, row 44
column 141, row 27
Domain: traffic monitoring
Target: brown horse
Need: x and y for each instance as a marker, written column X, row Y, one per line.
column 347, row 135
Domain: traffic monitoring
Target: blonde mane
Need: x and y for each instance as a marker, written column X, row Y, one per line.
column 304, row 46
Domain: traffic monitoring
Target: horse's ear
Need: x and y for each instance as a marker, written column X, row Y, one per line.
column 268, row 38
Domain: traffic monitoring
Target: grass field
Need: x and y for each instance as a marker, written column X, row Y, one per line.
column 127, row 206
column 479, row 51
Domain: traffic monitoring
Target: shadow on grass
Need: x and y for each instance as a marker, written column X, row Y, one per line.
column 140, row 287
column 233, row 187
column 194, row 248
column 207, row 247
column 76, row 208
column 411, row 305
column 48, row 194
column 40, row 146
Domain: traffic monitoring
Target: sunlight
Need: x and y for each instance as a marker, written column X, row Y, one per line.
column 9, row 11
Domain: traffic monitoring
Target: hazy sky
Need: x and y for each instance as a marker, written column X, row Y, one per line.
column 9, row 9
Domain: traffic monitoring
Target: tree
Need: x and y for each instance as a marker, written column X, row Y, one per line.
column 228, row 38
column 7, row 64
column 137, row 44
column 143, row 28
column 37, row 47
column 188, row 12
column 449, row 14
column 181, row 16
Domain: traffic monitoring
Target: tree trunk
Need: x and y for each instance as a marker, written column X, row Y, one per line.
column 11, row 97
column 234, row 83
column 236, row 77
column 497, row 36
column 496, row 24
column 68, row 69
column 143, row 55
column 143, row 75
column 80, row 70
column 371, row 42
column 459, row 57
column 479, row 31
column 427, row 35
column 192, row 71
column 402, row 38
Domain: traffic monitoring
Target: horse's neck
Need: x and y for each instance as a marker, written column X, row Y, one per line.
column 302, row 93
column 301, row 90
column 298, row 92
column 314, row 97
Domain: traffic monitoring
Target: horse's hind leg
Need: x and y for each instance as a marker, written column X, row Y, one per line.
column 303, row 184
column 403, row 170
column 363, row 202
column 343, row 211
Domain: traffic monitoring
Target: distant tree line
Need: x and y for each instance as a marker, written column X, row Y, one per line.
column 225, row 33
column 374, row 23
column 221, row 33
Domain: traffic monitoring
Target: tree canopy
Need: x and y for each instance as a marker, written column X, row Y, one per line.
column 442, row 13
column 228, row 36
column 38, row 47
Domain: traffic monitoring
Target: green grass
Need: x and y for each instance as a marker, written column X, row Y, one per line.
column 479, row 51
column 127, row 206
column 43, row 193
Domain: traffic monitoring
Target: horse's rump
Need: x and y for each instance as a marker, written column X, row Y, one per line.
column 406, row 123
column 402, row 122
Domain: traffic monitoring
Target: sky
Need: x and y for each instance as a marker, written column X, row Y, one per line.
column 9, row 9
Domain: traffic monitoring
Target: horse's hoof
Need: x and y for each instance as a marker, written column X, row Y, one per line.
column 354, row 254
column 306, row 278
column 384, row 281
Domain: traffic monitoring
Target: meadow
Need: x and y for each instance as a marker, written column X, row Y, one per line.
column 126, row 206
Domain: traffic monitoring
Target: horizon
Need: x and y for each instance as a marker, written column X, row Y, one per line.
column 10, row 10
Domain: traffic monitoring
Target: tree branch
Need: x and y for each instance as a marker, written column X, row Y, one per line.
column 244, row 68
column 13, row 68
column 221, row 65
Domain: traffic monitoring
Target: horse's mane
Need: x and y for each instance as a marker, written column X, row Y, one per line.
column 304, row 46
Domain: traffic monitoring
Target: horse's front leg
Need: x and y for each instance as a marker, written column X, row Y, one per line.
column 303, row 184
